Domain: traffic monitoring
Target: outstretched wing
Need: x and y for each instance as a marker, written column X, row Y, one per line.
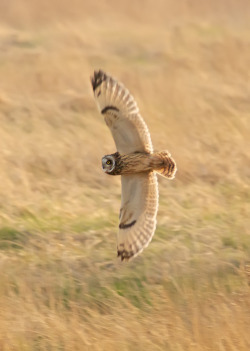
column 121, row 114
column 138, row 213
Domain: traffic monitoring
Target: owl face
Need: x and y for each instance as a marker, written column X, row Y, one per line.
column 112, row 164
column 108, row 163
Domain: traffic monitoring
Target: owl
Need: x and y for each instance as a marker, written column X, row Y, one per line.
column 136, row 163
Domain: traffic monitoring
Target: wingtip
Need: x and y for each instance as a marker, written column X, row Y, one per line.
column 97, row 79
column 127, row 255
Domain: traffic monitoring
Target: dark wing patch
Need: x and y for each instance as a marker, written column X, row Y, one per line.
column 108, row 108
column 125, row 226
column 99, row 77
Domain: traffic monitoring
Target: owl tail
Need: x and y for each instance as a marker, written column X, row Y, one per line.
column 164, row 164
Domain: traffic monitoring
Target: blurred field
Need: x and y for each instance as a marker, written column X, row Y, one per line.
column 61, row 286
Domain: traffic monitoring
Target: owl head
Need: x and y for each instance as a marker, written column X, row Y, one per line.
column 111, row 163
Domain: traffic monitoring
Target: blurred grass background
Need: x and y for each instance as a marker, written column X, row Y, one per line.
column 61, row 287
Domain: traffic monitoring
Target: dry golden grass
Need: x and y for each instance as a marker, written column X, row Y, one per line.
column 61, row 287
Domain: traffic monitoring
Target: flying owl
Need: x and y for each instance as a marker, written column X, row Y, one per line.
column 134, row 161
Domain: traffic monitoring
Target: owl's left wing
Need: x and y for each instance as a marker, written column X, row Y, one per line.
column 139, row 207
column 121, row 114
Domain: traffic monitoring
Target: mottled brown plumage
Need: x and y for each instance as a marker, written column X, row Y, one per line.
column 139, row 162
column 135, row 161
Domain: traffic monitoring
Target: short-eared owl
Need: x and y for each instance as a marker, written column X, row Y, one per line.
column 135, row 161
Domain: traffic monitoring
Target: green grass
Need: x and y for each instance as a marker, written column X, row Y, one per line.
column 12, row 238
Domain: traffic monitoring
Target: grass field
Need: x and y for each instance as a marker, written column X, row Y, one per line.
column 61, row 286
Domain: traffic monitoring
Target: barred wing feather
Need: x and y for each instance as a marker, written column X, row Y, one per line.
column 121, row 115
column 139, row 207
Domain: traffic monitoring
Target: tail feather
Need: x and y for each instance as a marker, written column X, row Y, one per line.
column 163, row 163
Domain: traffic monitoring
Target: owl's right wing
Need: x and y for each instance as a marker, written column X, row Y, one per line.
column 121, row 114
column 139, row 207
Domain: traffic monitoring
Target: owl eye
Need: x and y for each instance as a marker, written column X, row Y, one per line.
column 108, row 162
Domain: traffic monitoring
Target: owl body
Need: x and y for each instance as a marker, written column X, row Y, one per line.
column 139, row 162
column 134, row 161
